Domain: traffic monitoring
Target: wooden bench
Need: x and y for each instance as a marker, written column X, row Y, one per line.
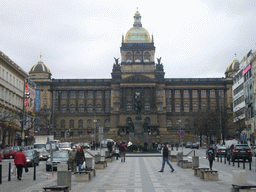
column 57, row 188
column 243, row 188
column 197, row 171
column 82, row 176
column 210, row 175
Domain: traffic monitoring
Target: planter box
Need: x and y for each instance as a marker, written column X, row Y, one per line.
column 100, row 165
column 82, row 176
column 211, row 176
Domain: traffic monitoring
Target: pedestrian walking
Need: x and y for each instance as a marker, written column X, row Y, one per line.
column 210, row 156
column 20, row 162
column 72, row 159
column 165, row 158
column 80, row 158
column 122, row 149
column 110, row 147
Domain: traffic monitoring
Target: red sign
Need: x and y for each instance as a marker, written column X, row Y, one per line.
column 182, row 133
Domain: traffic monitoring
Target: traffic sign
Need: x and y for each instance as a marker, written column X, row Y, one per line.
column 182, row 133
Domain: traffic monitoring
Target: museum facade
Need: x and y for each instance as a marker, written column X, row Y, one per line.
column 81, row 108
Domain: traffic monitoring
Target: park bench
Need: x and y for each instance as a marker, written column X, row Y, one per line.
column 243, row 188
column 82, row 176
column 57, row 188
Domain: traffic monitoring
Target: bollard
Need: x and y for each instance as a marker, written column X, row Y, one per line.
column 0, row 173
column 250, row 165
column 225, row 159
column 233, row 161
column 220, row 158
column 243, row 162
column 34, row 178
column 9, row 174
column 238, row 163
column 194, row 153
column 229, row 161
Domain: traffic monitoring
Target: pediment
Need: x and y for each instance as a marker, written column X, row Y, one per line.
column 138, row 78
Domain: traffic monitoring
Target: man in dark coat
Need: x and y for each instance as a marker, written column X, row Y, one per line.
column 210, row 156
column 80, row 158
column 20, row 162
column 165, row 158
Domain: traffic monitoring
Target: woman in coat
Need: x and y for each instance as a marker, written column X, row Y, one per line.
column 80, row 158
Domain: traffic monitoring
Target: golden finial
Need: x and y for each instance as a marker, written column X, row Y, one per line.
column 235, row 56
column 40, row 57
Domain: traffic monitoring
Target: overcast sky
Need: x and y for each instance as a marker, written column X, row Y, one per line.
column 80, row 38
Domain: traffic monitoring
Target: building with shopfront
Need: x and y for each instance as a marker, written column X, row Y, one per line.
column 78, row 108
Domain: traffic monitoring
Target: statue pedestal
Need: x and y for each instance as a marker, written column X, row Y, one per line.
column 138, row 136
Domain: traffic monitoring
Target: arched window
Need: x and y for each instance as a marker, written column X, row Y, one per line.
column 98, row 123
column 147, row 106
column 213, row 106
column 137, row 57
column 89, row 123
column 81, row 108
column 98, row 108
column 71, row 124
column 80, row 124
column 146, row 57
column 186, row 107
column 107, row 123
column 195, row 107
column 72, row 108
column 62, row 124
column 159, row 107
column 128, row 57
column 90, row 108
column 129, row 107
column 63, row 108
column 169, row 123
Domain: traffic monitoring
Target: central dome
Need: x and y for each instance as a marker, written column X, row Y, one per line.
column 137, row 34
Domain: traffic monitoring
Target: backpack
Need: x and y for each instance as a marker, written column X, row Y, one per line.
column 121, row 148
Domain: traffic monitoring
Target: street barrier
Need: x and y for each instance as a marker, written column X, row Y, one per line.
column 243, row 162
column 238, row 164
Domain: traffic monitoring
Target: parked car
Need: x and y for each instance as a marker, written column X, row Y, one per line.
column 8, row 153
column 44, row 155
column 86, row 145
column 221, row 151
column 239, row 151
column 58, row 157
column 195, row 146
column 189, row 145
column 29, row 147
column 32, row 157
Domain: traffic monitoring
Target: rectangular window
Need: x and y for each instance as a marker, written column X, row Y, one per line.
column 168, row 94
column 81, row 94
column 203, row 94
column 194, row 94
column 72, row 94
column 62, row 134
column 98, row 94
column 107, row 94
column 186, row 94
column 177, row 108
column 212, row 93
column 90, row 94
column 64, row 94
column 177, row 93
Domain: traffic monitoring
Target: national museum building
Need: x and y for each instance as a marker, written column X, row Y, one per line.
column 79, row 108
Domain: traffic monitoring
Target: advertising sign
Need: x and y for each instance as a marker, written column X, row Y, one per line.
column 30, row 100
column 37, row 101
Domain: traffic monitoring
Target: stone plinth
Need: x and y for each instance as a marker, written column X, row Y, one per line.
column 109, row 159
column 100, row 165
column 195, row 162
column 82, row 176
column 64, row 179
column 186, row 165
column 173, row 158
column 239, row 177
column 180, row 162
column 197, row 171
column 88, row 161
column 179, row 156
column 138, row 136
column 97, row 158
column 211, row 176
